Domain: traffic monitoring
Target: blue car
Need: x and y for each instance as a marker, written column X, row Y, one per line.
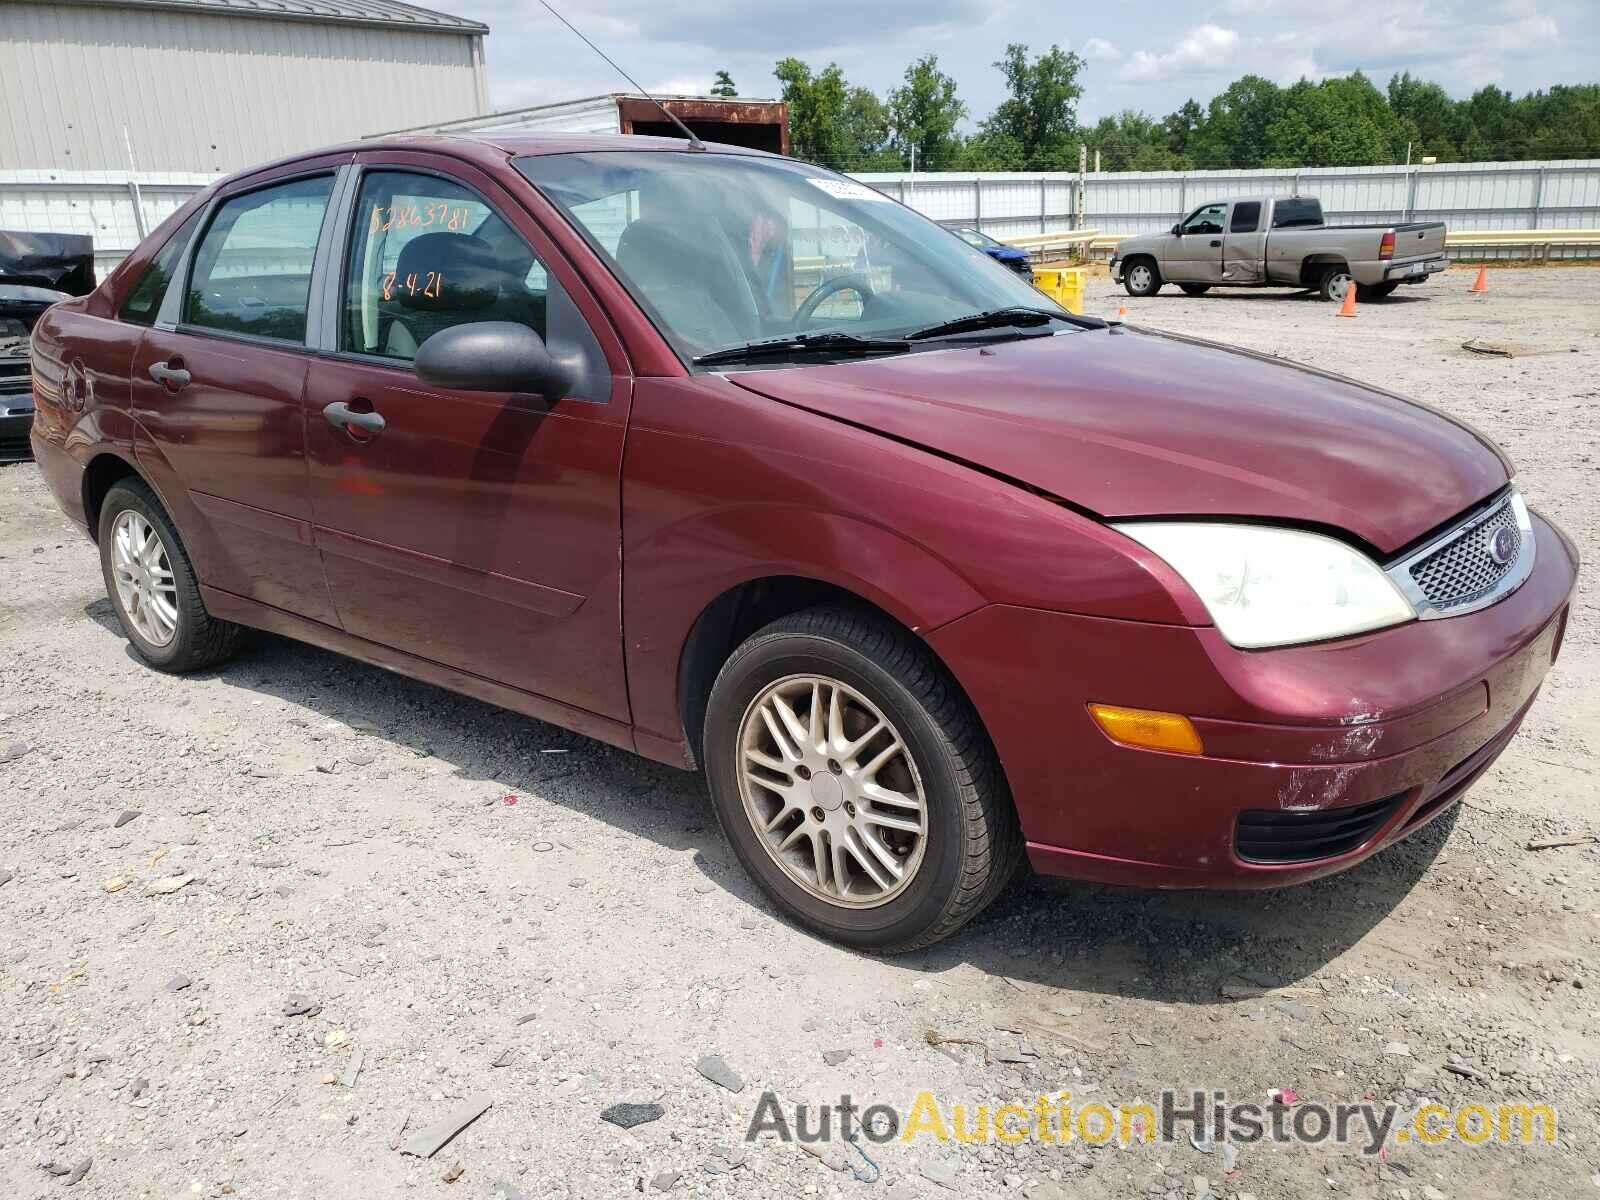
column 1006, row 256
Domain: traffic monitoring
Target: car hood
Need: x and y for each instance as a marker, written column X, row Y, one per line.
column 1132, row 423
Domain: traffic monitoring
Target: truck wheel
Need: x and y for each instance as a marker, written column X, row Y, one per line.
column 1141, row 277
column 1334, row 282
column 1195, row 289
column 855, row 781
column 153, row 586
column 1375, row 291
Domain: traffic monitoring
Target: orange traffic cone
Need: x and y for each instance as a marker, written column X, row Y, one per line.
column 1348, row 308
column 1122, row 312
column 1481, row 283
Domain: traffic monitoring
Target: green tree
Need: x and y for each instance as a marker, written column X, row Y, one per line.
column 724, row 85
column 1182, row 128
column 1338, row 122
column 1432, row 119
column 1234, row 131
column 830, row 122
column 1036, row 127
column 1131, row 141
column 923, row 116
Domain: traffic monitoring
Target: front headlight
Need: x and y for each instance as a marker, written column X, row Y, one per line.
column 1274, row 587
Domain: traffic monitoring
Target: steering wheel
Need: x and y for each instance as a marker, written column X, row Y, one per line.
column 854, row 281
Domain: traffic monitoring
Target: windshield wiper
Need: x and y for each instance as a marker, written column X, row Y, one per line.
column 1000, row 318
column 824, row 340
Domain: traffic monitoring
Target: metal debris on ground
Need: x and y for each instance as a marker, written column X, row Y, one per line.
column 1575, row 839
column 352, row 1070
column 430, row 1139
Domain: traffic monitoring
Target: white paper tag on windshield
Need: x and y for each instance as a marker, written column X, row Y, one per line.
column 845, row 189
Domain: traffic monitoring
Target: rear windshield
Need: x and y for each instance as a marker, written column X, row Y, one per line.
column 1296, row 212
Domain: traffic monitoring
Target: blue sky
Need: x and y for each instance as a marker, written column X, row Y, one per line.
column 1142, row 54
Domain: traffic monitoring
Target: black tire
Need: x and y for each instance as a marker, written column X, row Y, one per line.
column 973, row 841
column 1328, row 283
column 1151, row 283
column 200, row 639
column 1375, row 291
column 1195, row 289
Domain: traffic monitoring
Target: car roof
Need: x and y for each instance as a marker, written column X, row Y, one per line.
column 490, row 148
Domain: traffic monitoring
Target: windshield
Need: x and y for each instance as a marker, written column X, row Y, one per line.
column 721, row 250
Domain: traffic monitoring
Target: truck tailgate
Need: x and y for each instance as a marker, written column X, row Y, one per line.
column 1423, row 239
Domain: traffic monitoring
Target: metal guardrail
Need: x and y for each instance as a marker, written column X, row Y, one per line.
column 1537, row 242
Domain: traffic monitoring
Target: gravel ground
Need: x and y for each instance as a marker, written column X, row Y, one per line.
column 469, row 906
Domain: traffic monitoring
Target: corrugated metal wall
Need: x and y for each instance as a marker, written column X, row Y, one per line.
column 203, row 92
column 1526, row 195
column 1552, row 195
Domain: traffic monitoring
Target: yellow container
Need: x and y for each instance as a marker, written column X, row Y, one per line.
column 1064, row 285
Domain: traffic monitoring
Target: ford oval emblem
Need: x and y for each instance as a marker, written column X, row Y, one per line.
column 1503, row 545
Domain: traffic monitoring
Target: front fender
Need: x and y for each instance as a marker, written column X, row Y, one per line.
column 678, row 572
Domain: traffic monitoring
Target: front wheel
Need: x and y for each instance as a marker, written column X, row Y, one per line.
column 856, row 783
column 1141, row 278
column 152, row 584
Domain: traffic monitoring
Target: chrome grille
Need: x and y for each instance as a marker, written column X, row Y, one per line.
column 1463, row 569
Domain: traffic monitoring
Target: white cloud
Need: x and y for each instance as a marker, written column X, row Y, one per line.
column 1100, row 50
column 1203, row 50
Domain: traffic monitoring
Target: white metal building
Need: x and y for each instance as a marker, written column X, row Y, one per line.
column 216, row 85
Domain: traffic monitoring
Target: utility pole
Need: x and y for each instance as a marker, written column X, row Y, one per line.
column 1097, row 160
column 1081, row 198
column 913, row 158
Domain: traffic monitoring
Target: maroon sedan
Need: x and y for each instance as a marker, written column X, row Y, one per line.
column 740, row 464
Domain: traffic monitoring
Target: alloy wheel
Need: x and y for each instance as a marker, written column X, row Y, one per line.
column 1338, row 284
column 1140, row 278
column 146, row 589
column 831, row 790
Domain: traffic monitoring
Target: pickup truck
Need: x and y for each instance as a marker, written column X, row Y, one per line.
column 1279, row 241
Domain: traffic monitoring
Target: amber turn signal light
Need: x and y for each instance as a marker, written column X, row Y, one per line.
column 1147, row 729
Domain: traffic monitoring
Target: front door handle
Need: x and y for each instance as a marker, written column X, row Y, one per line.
column 341, row 416
column 1216, row 244
column 170, row 375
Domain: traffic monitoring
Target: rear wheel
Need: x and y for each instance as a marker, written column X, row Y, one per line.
column 856, row 783
column 1334, row 283
column 1141, row 277
column 1375, row 291
column 152, row 584
column 1195, row 289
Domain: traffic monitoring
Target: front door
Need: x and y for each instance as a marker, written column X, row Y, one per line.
column 1196, row 256
column 219, row 388
column 477, row 530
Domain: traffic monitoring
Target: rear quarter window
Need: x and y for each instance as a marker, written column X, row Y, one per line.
column 1292, row 213
column 143, row 300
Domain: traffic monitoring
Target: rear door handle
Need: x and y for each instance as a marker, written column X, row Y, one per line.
column 341, row 416
column 169, row 376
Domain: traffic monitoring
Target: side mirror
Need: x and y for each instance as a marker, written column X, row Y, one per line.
column 1178, row 230
column 492, row 356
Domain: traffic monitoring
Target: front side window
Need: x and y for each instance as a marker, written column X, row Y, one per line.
column 1206, row 220
column 427, row 254
column 721, row 250
column 143, row 301
column 1246, row 217
column 252, row 271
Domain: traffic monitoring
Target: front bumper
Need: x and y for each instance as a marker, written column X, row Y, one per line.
column 1116, row 270
column 1407, row 716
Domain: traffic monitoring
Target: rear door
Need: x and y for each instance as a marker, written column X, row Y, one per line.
column 1244, row 245
column 477, row 530
column 218, row 381
column 1196, row 256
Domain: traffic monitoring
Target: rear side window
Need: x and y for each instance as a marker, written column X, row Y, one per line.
column 1246, row 217
column 1297, row 211
column 427, row 254
column 252, row 272
column 143, row 301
